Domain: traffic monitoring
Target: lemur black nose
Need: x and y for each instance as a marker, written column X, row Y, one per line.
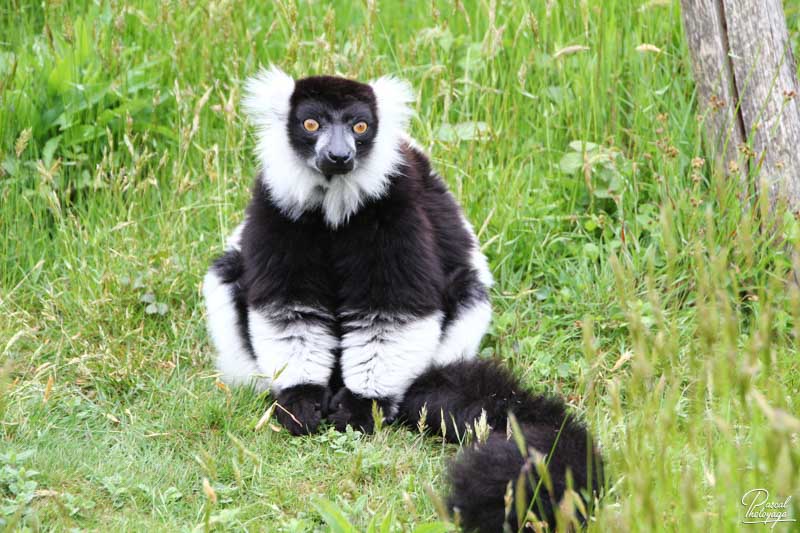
column 339, row 158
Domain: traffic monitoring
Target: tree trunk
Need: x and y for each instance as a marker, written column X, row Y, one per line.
column 748, row 89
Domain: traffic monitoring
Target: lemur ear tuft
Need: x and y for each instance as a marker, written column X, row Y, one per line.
column 266, row 97
column 393, row 96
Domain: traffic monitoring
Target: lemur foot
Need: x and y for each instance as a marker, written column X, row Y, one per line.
column 300, row 408
column 347, row 407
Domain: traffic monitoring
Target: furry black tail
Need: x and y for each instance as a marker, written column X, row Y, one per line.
column 479, row 477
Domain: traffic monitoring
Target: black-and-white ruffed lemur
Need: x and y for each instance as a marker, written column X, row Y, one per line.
column 355, row 278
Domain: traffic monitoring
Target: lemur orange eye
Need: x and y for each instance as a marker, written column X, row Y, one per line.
column 310, row 124
column 360, row 127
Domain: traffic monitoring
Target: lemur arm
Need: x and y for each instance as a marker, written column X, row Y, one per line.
column 382, row 354
column 390, row 306
column 290, row 312
column 293, row 344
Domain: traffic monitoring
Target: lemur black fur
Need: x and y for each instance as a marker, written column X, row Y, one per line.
column 355, row 278
column 454, row 396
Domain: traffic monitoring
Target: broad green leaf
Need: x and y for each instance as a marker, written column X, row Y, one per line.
column 591, row 250
column 463, row 131
column 571, row 163
column 333, row 516
column 580, row 146
column 49, row 149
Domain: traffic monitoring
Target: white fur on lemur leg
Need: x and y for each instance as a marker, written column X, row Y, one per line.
column 290, row 349
column 477, row 260
column 462, row 336
column 234, row 362
column 234, row 241
column 382, row 353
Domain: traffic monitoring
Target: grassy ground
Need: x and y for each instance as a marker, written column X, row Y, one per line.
column 631, row 279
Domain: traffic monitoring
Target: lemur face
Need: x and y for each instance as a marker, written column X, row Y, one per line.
column 327, row 143
column 332, row 123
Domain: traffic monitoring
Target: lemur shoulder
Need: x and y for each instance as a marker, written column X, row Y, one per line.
column 355, row 279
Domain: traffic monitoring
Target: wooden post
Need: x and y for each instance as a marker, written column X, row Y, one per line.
column 706, row 34
column 747, row 86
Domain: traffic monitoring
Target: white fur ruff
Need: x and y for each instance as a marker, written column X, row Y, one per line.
column 382, row 354
column 297, row 187
column 234, row 362
column 290, row 349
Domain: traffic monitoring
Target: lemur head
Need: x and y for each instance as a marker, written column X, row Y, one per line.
column 326, row 142
column 332, row 123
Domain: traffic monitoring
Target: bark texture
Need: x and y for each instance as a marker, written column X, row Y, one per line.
column 748, row 88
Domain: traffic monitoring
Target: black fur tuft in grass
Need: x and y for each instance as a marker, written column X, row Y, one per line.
column 480, row 475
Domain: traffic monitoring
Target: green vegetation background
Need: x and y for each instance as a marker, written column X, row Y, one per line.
column 630, row 277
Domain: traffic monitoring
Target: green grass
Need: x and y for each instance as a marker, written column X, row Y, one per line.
column 630, row 279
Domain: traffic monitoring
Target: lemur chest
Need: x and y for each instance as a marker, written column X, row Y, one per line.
column 386, row 259
column 375, row 262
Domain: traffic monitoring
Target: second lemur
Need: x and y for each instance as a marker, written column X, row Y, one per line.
column 356, row 279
